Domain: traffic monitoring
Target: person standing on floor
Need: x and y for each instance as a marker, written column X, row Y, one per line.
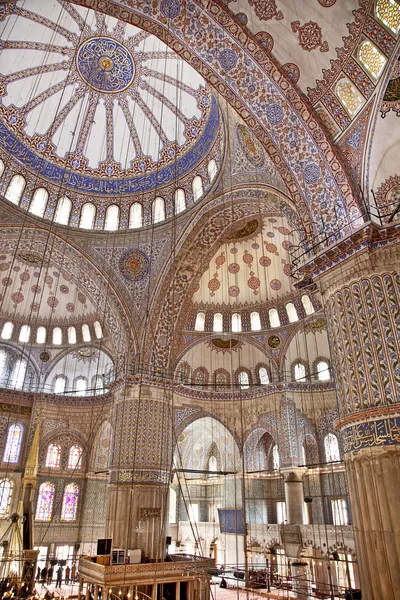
column 50, row 575
column 59, row 577
column 67, row 574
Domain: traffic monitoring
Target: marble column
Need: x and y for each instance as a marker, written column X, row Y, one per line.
column 140, row 469
column 294, row 495
column 361, row 292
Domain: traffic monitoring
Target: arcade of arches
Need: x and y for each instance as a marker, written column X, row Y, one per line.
column 200, row 297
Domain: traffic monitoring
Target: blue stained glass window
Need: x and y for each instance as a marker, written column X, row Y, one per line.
column 13, row 445
column 6, row 490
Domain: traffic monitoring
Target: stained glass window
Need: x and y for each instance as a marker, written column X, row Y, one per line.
column 263, row 374
column 70, row 502
column 15, row 189
column 236, row 322
column 111, row 222
column 44, row 507
column 349, row 96
column 81, row 386
column 292, row 312
column 243, row 380
column 71, row 335
column 332, row 453
column 276, row 461
column 98, row 330
column 18, row 375
column 218, row 325
column 388, row 11
column 212, row 170
column 158, row 210
column 75, row 457
column 63, row 211
column 59, row 384
column 299, row 372
column 197, row 187
column 41, row 335
column 308, row 307
column 57, row 336
column 323, row 371
column 7, row 330
column 274, row 317
column 135, row 215
column 255, row 321
column 13, row 444
column 53, row 456
column 6, row 490
column 87, row 216
column 86, row 333
column 39, row 201
column 200, row 320
column 370, row 57
column 24, row 334
column 180, row 201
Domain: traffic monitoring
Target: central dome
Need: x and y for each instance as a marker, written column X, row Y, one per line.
column 94, row 106
column 105, row 64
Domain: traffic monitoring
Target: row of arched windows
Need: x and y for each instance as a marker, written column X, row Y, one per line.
column 255, row 320
column 80, row 386
column 53, row 457
column 45, row 502
column 369, row 57
column 331, row 448
column 322, row 371
column 38, row 204
column 14, row 371
column 57, row 335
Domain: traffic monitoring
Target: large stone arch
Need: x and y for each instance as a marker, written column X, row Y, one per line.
column 230, row 59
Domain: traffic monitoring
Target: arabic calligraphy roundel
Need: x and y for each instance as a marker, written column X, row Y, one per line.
column 134, row 265
column 105, row 64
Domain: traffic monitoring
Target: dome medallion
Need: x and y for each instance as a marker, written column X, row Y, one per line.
column 105, row 65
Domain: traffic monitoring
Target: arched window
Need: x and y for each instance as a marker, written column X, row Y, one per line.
column 59, row 384
column 332, row 453
column 15, row 189
column 274, row 318
column 307, row 304
column 7, row 330
column 3, row 363
column 57, row 336
column 212, row 170
column 98, row 330
column 24, row 334
column 323, row 371
column 13, row 444
column 292, row 312
column 255, row 321
column 197, row 187
column 53, row 456
column 218, row 323
column 172, row 506
column 41, row 335
column 111, row 222
column 81, row 386
column 276, row 461
column 135, row 216
column 98, row 384
column 71, row 335
column 200, row 321
column 86, row 333
column 180, row 201
column 243, row 379
column 39, row 201
column 236, row 322
column 263, row 376
column 158, row 210
column 212, row 464
column 88, row 214
column 63, row 211
column 75, row 458
column 370, row 57
column 6, row 491
column 44, row 507
column 349, row 96
column 299, row 372
column 18, row 375
column 1, row 167
column 70, row 502
column 388, row 12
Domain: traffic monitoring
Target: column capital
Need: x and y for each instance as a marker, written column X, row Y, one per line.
column 293, row 473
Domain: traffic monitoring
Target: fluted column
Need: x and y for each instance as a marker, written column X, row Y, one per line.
column 362, row 302
column 140, row 469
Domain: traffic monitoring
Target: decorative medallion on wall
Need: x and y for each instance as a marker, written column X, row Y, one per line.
column 134, row 265
column 44, row 356
column 265, row 40
column 310, row 36
column 225, row 345
column 251, row 147
column 266, row 9
column 105, row 64
column 316, row 324
column 274, row 341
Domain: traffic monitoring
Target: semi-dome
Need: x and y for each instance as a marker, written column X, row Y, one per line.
column 96, row 110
